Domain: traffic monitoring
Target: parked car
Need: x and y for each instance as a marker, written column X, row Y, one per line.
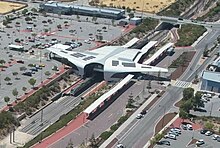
column 218, row 139
column 173, row 133
column 200, row 142
column 189, row 127
column 170, row 136
column 176, row 130
column 87, row 42
column 208, row 133
column 139, row 116
column 163, row 142
column 27, row 74
column 91, row 39
column 20, row 61
column 34, row 69
column 215, row 137
column 203, row 131
column 184, row 127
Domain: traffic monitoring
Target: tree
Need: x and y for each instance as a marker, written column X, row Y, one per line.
column 47, row 73
column 113, row 22
column 187, row 105
column 34, row 10
column 7, row 99
column 2, row 62
column 188, row 93
column 7, row 79
column 15, row 74
column 70, row 144
column 24, row 88
column 183, row 114
column 197, row 102
column 78, row 17
column 93, row 142
column 32, row 82
column 15, row 92
column 24, row 12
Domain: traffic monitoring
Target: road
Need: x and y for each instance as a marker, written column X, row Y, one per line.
column 139, row 134
column 51, row 114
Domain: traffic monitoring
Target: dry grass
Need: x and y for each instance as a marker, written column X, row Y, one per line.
column 147, row 5
column 6, row 7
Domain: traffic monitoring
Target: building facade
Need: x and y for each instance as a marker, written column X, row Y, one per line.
column 211, row 81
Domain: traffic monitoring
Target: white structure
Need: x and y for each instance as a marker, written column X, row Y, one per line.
column 112, row 61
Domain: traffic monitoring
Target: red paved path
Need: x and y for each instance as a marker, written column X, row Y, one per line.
column 73, row 125
column 32, row 91
column 178, row 121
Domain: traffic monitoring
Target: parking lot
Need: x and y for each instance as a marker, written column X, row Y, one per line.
column 184, row 139
column 212, row 106
column 35, row 36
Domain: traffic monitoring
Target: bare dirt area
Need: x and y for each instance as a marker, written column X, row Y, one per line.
column 6, row 7
column 164, row 121
column 145, row 5
column 181, row 68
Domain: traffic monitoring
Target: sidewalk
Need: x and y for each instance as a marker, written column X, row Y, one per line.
column 61, row 71
column 127, row 122
column 73, row 125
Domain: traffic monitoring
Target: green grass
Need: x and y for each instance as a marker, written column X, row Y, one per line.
column 176, row 8
column 147, row 25
column 179, row 61
column 189, row 33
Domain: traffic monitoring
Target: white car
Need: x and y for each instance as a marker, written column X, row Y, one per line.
column 91, row 39
column 170, row 136
column 208, row 133
column 139, row 116
column 189, row 127
column 200, row 142
column 177, row 130
column 87, row 42
column 120, row 146
column 215, row 137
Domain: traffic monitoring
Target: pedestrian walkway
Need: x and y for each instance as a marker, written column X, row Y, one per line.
column 73, row 125
column 182, row 84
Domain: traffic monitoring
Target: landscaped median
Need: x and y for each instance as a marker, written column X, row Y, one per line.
column 66, row 119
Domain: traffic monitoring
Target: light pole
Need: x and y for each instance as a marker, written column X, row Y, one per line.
column 211, row 109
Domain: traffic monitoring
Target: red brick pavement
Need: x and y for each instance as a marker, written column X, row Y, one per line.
column 178, row 122
column 72, row 126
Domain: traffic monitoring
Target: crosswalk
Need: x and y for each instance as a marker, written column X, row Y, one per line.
column 182, row 84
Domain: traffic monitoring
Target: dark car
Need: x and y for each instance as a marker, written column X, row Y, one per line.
column 20, row 61
column 27, row 74
column 143, row 112
column 203, row 131
column 34, row 69
column 163, row 142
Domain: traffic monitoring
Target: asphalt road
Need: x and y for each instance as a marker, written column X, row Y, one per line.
column 139, row 135
column 51, row 114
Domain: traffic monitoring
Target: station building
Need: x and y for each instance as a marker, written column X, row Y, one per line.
column 69, row 9
column 113, row 62
column 211, row 81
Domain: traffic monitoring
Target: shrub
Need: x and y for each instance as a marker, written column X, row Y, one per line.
column 105, row 135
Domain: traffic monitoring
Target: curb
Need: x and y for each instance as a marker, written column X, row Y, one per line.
column 166, row 126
